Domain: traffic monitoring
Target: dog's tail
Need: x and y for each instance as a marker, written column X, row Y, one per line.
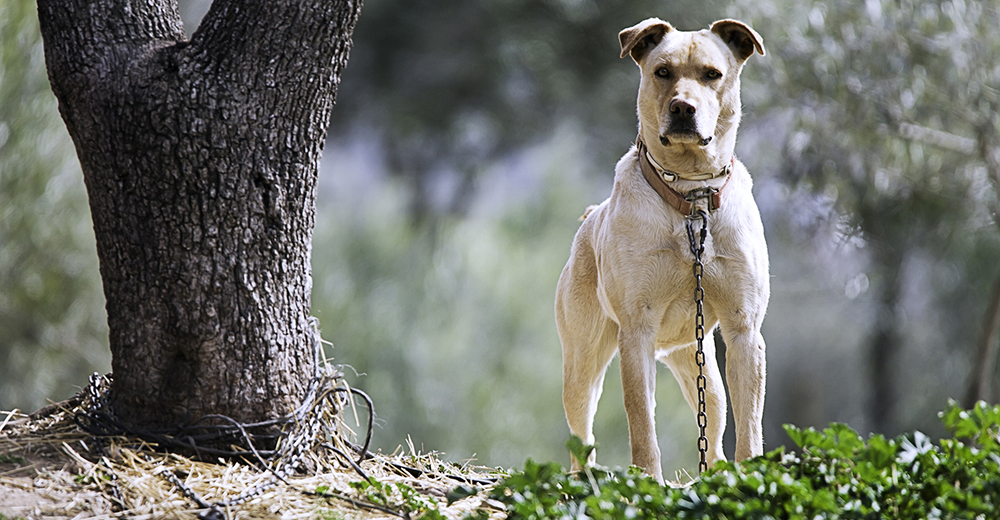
column 588, row 211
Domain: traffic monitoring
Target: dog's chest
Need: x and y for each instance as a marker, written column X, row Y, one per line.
column 651, row 263
column 662, row 294
column 674, row 241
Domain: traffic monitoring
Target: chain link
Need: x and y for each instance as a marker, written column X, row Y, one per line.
column 697, row 248
column 97, row 402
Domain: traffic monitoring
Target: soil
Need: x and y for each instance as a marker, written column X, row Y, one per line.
column 36, row 486
column 50, row 469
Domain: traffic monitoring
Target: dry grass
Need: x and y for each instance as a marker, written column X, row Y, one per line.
column 51, row 468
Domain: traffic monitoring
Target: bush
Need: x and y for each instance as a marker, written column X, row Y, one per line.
column 835, row 475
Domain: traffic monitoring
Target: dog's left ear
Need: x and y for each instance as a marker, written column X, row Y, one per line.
column 642, row 37
column 739, row 37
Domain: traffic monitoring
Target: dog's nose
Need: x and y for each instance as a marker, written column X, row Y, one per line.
column 679, row 106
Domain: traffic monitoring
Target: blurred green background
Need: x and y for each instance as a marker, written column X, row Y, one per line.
column 468, row 138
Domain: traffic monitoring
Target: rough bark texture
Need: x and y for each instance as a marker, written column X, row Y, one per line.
column 200, row 160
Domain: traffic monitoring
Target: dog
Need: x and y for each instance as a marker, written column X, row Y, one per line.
column 628, row 285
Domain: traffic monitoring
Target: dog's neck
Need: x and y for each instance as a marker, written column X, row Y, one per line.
column 706, row 197
column 692, row 161
column 671, row 176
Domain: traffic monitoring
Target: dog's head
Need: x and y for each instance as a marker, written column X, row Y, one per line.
column 689, row 94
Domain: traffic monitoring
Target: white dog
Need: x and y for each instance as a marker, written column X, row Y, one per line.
column 628, row 286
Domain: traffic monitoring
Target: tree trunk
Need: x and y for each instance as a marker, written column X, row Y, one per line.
column 984, row 365
column 885, row 344
column 986, row 352
column 200, row 160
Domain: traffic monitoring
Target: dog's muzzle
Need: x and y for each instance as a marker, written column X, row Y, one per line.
column 682, row 126
column 702, row 141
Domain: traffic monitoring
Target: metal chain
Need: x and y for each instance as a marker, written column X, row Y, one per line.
column 95, row 393
column 97, row 402
column 697, row 248
column 305, row 434
column 316, row 419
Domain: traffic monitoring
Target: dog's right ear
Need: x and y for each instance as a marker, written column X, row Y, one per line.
column 640, row 38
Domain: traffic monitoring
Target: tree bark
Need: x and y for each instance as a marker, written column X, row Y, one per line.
column 200, row 159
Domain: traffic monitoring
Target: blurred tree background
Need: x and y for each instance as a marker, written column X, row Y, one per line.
column 53, row 329
column 468, row 138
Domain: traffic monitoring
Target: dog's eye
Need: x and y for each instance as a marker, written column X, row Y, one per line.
column 713, row 74
column 663, row 72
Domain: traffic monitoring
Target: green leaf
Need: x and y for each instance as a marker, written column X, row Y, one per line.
column 461, row 492
column 580, row 450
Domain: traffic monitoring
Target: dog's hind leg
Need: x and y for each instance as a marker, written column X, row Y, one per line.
column 685, row 369
column 746, row 375
column 584, row 365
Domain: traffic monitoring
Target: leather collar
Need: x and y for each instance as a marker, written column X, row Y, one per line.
column 658, row 179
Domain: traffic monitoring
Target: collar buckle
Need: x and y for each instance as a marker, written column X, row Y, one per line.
column 708, row 193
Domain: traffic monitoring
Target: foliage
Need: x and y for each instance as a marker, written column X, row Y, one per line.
column 398, row 496
column 6, row 458
column 892, row 137
column 326, row 514
column 836, row 475
column 902, row 143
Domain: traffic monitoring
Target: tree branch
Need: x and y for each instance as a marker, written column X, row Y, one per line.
column 292, row 43
column 88, row 40
column 945, row 140
column 96, row 51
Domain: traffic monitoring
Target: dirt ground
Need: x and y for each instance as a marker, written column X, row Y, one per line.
column 50, row 469
column 38, row 487
column 37, row 481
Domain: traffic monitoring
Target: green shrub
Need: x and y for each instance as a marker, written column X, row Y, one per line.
column 836, row 475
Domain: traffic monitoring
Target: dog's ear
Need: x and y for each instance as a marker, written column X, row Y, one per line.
column 739, row 37
column 640, row 38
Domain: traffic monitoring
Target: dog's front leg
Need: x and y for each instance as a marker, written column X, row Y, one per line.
column 638, row 372
column 746, row 375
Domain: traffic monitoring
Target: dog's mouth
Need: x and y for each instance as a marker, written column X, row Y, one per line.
column 684, row 137
column 683, row 130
